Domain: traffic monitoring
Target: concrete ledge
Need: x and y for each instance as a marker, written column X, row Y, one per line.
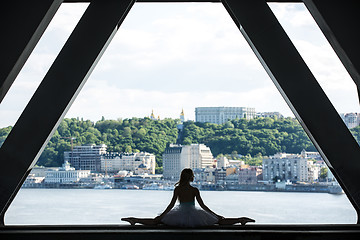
column 254, row 231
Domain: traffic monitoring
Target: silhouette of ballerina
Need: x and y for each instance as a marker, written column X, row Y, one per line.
column 186, row 214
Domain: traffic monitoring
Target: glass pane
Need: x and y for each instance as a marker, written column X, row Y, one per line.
column 164, row 59
column 319, row 56
column 38, row 64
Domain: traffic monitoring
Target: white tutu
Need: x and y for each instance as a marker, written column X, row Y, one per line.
column 187, row 215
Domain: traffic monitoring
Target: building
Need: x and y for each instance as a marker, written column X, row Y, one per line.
column 87, row 157
column 311, row 155
column 313, row 171
column 220, row 175
column 65, row 174
column 152, row 116
column 138, row 163
column 220, row 115
column 249, row 175
column 232, row 179
column 32, row 181
column 283, row 166
column 178, row 157
column 40, row 171
column 203, row 175
column 180, row 126
column 224, row 162
column 351, row 120
column 314, row 167
column 173, row 163
column 182, row 116
column 269, row 114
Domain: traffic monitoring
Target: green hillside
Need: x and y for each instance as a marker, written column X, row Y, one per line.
column 261, row 136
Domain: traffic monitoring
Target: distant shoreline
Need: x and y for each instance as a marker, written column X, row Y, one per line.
column 309, row 188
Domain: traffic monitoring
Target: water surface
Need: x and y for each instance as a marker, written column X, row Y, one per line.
column 91, row 206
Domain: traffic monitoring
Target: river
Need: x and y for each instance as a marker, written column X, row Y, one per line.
column 107, row 206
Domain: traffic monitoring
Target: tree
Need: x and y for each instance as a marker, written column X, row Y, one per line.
column 323, row 173
column 140, row 133
column 127, row 132
column 228, row 124
column 128, row 149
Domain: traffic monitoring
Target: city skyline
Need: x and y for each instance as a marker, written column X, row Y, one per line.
column 184, row 56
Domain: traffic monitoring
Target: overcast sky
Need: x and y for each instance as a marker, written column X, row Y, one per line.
column 169, row 57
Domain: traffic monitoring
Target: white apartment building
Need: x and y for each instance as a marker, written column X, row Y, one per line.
column 178, row 157
column 139, row 163
column 65, row 174
column 284, row 166
column 221, row 115
column 86, row 157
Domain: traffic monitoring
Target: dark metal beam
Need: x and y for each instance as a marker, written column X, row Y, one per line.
column 301, row 91
column 138, row 232
column 23, row 23
column 339, row 21
column 170, row 1
column 56, row 93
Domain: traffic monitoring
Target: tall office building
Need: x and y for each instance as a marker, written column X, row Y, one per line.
column 221, row 115
column 87, row 157
column 178, row 157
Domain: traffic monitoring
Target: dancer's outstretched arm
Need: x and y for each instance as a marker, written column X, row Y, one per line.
column 170, row 206
column 202, row 204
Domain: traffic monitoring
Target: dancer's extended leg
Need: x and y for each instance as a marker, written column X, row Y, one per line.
column 144, row 221
column 232, row 221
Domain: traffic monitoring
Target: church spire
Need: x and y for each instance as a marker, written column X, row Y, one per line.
column 152, row 116
column 182, row 116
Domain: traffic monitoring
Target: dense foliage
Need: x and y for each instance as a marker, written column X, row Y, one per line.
column 257, row 137
column 266, row 136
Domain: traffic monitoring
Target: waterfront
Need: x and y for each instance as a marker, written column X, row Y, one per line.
column 107, row 206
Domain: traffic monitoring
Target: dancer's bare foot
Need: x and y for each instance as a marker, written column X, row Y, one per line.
column 131, row 220
column 244, row 220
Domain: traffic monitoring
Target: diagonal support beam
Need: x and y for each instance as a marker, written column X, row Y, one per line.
column 339, row 22
column 301, row 91
column 23, row 23
column 56, row 93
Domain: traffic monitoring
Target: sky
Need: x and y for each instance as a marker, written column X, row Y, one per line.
column 172, row 56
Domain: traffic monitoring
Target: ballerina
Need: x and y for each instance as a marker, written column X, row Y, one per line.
column 186, row 214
